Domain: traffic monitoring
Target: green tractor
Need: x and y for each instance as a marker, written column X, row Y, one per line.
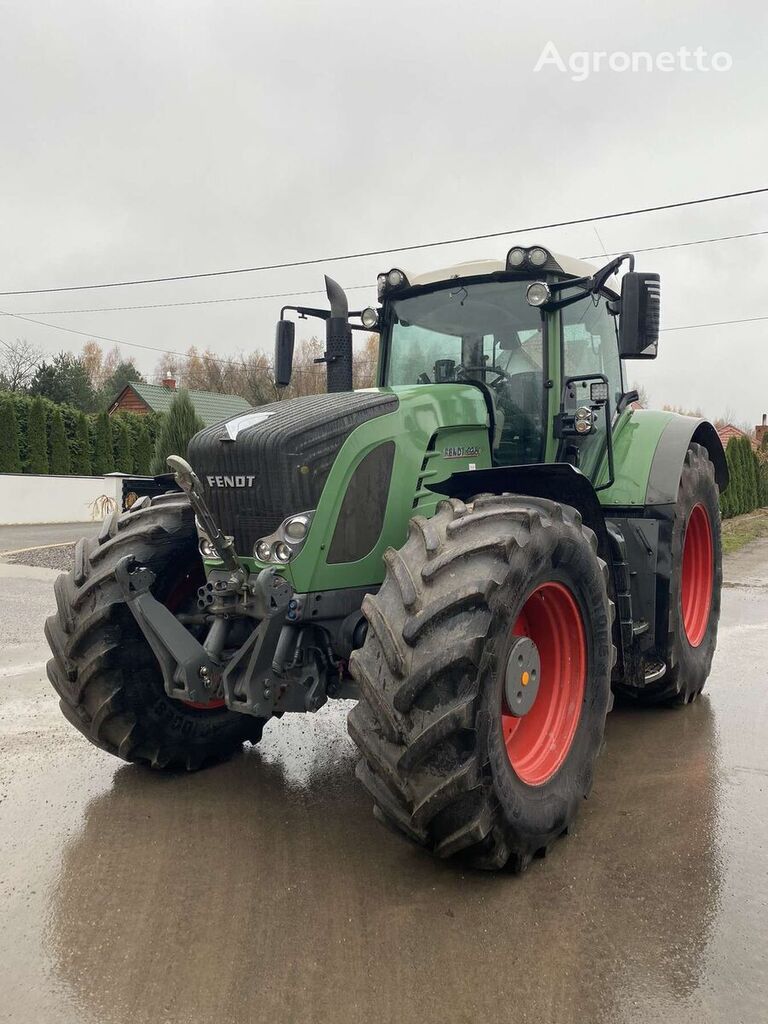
column 479, row 551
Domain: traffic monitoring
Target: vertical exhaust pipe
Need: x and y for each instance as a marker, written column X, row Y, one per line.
column 338, row 339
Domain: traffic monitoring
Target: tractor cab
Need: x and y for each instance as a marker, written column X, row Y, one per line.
column 538, row 333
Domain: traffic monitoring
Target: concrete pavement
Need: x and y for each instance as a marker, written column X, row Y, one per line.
column 264, row 890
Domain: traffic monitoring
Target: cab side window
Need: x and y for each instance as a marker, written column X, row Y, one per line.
column 589, row 344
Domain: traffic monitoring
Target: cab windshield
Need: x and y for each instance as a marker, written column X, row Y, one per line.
column 483, row 332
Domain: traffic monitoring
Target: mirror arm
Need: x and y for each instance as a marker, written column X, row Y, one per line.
column 589, row 285
column 321, row 314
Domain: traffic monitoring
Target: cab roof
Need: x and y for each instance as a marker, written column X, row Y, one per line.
column 569, row 265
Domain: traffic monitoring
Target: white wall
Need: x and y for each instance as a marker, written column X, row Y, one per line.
column 25, row 498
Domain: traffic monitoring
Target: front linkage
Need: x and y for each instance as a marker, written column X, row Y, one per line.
column 278, row 668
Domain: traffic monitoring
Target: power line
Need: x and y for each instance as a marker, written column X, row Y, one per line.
column 677, row 245
column 127, row 344
column 230, row 359
column 189, row 302
column 717, row 323
column 382, row 252
column 352, row 287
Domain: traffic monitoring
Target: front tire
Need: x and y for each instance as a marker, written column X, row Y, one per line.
column 443, row 755
column 103, row 669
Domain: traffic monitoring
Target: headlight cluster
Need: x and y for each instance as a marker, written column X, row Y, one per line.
column 583, row 420
column 534, row 258
column 286, row 542
column 393, row 280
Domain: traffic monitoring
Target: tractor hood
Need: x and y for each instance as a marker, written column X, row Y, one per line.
column 259, row 467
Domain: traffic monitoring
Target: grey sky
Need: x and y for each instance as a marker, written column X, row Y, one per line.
column 146, row 139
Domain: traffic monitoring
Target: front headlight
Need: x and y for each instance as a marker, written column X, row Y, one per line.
column 296, row 528
column 207, row 550
column 262, row 550
column 287, row 540
column 282, row 552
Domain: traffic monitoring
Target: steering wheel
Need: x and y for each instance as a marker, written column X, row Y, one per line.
column 499, row 375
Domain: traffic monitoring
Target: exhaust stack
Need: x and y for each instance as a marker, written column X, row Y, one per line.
column 338, row 339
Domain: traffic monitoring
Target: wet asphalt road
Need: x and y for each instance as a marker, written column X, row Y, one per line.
column 263, row 890
column 15, row 538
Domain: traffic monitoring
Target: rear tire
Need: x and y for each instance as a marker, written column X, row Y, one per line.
column 695, row 583
column 433, row 725
column 103, row 669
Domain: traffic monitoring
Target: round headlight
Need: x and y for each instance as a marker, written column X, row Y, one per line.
column 296, row 528
column 262, row 551
column 537, row 256
column 281, row 552
column 516, row 257
column 537, row 294
column 395, row 278
column 207, row 550
column 369, row 317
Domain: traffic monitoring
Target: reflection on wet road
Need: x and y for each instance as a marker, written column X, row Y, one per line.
column 265, row 890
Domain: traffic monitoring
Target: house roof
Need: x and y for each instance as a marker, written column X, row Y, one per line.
column 726, row 432
column 209, row 406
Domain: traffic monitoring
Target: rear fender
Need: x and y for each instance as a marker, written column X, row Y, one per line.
column 649, row 453
column 669, row 457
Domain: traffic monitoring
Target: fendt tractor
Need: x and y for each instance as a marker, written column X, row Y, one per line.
column 480, row 551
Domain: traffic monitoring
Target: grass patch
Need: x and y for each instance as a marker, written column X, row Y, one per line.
column 742, row 530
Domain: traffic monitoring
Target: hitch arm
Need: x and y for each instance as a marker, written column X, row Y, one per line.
column 188, row 671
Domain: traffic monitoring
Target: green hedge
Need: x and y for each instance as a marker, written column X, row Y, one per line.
column 39, row 436
column 748, row 487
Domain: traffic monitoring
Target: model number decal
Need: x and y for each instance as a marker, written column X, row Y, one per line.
column 469, row 451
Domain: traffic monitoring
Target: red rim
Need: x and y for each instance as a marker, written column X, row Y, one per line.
column 698, row 575
column 178, row 597
column 538, row 743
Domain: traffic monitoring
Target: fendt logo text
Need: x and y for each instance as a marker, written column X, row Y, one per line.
column 231, row 481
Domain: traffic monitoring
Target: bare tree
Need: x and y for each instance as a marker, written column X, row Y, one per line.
column 18, row 362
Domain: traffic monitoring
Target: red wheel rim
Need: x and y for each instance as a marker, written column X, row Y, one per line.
column 698, row 575
column 538, row 743
column 178, row 597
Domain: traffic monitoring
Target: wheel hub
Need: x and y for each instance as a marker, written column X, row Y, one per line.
column 521, row 680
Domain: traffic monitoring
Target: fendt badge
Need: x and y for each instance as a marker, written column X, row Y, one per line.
column 231, row 481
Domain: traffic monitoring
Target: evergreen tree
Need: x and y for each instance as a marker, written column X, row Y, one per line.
column 81, row 449
column 179, row 426
column 123, row 446
column 60, row 461
column 753, row 496
column 37, row 441
column 64, row 380
column 103, row 456
column 10, row 460
column 142, row 453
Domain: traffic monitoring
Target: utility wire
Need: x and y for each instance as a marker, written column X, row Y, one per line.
column 677, row 245
column 348, row 288
column 402, row 248
column 127, row 344
column 230, row 359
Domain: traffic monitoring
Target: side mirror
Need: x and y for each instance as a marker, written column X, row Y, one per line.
column 285, row 335
column 639, row 317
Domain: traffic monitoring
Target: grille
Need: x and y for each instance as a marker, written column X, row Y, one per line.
column 289, row 455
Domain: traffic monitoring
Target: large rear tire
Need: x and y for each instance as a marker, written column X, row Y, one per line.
column 688, row 645
column 103, row 669
column 444, row 756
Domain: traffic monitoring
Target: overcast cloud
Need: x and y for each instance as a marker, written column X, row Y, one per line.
column 147, row 139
